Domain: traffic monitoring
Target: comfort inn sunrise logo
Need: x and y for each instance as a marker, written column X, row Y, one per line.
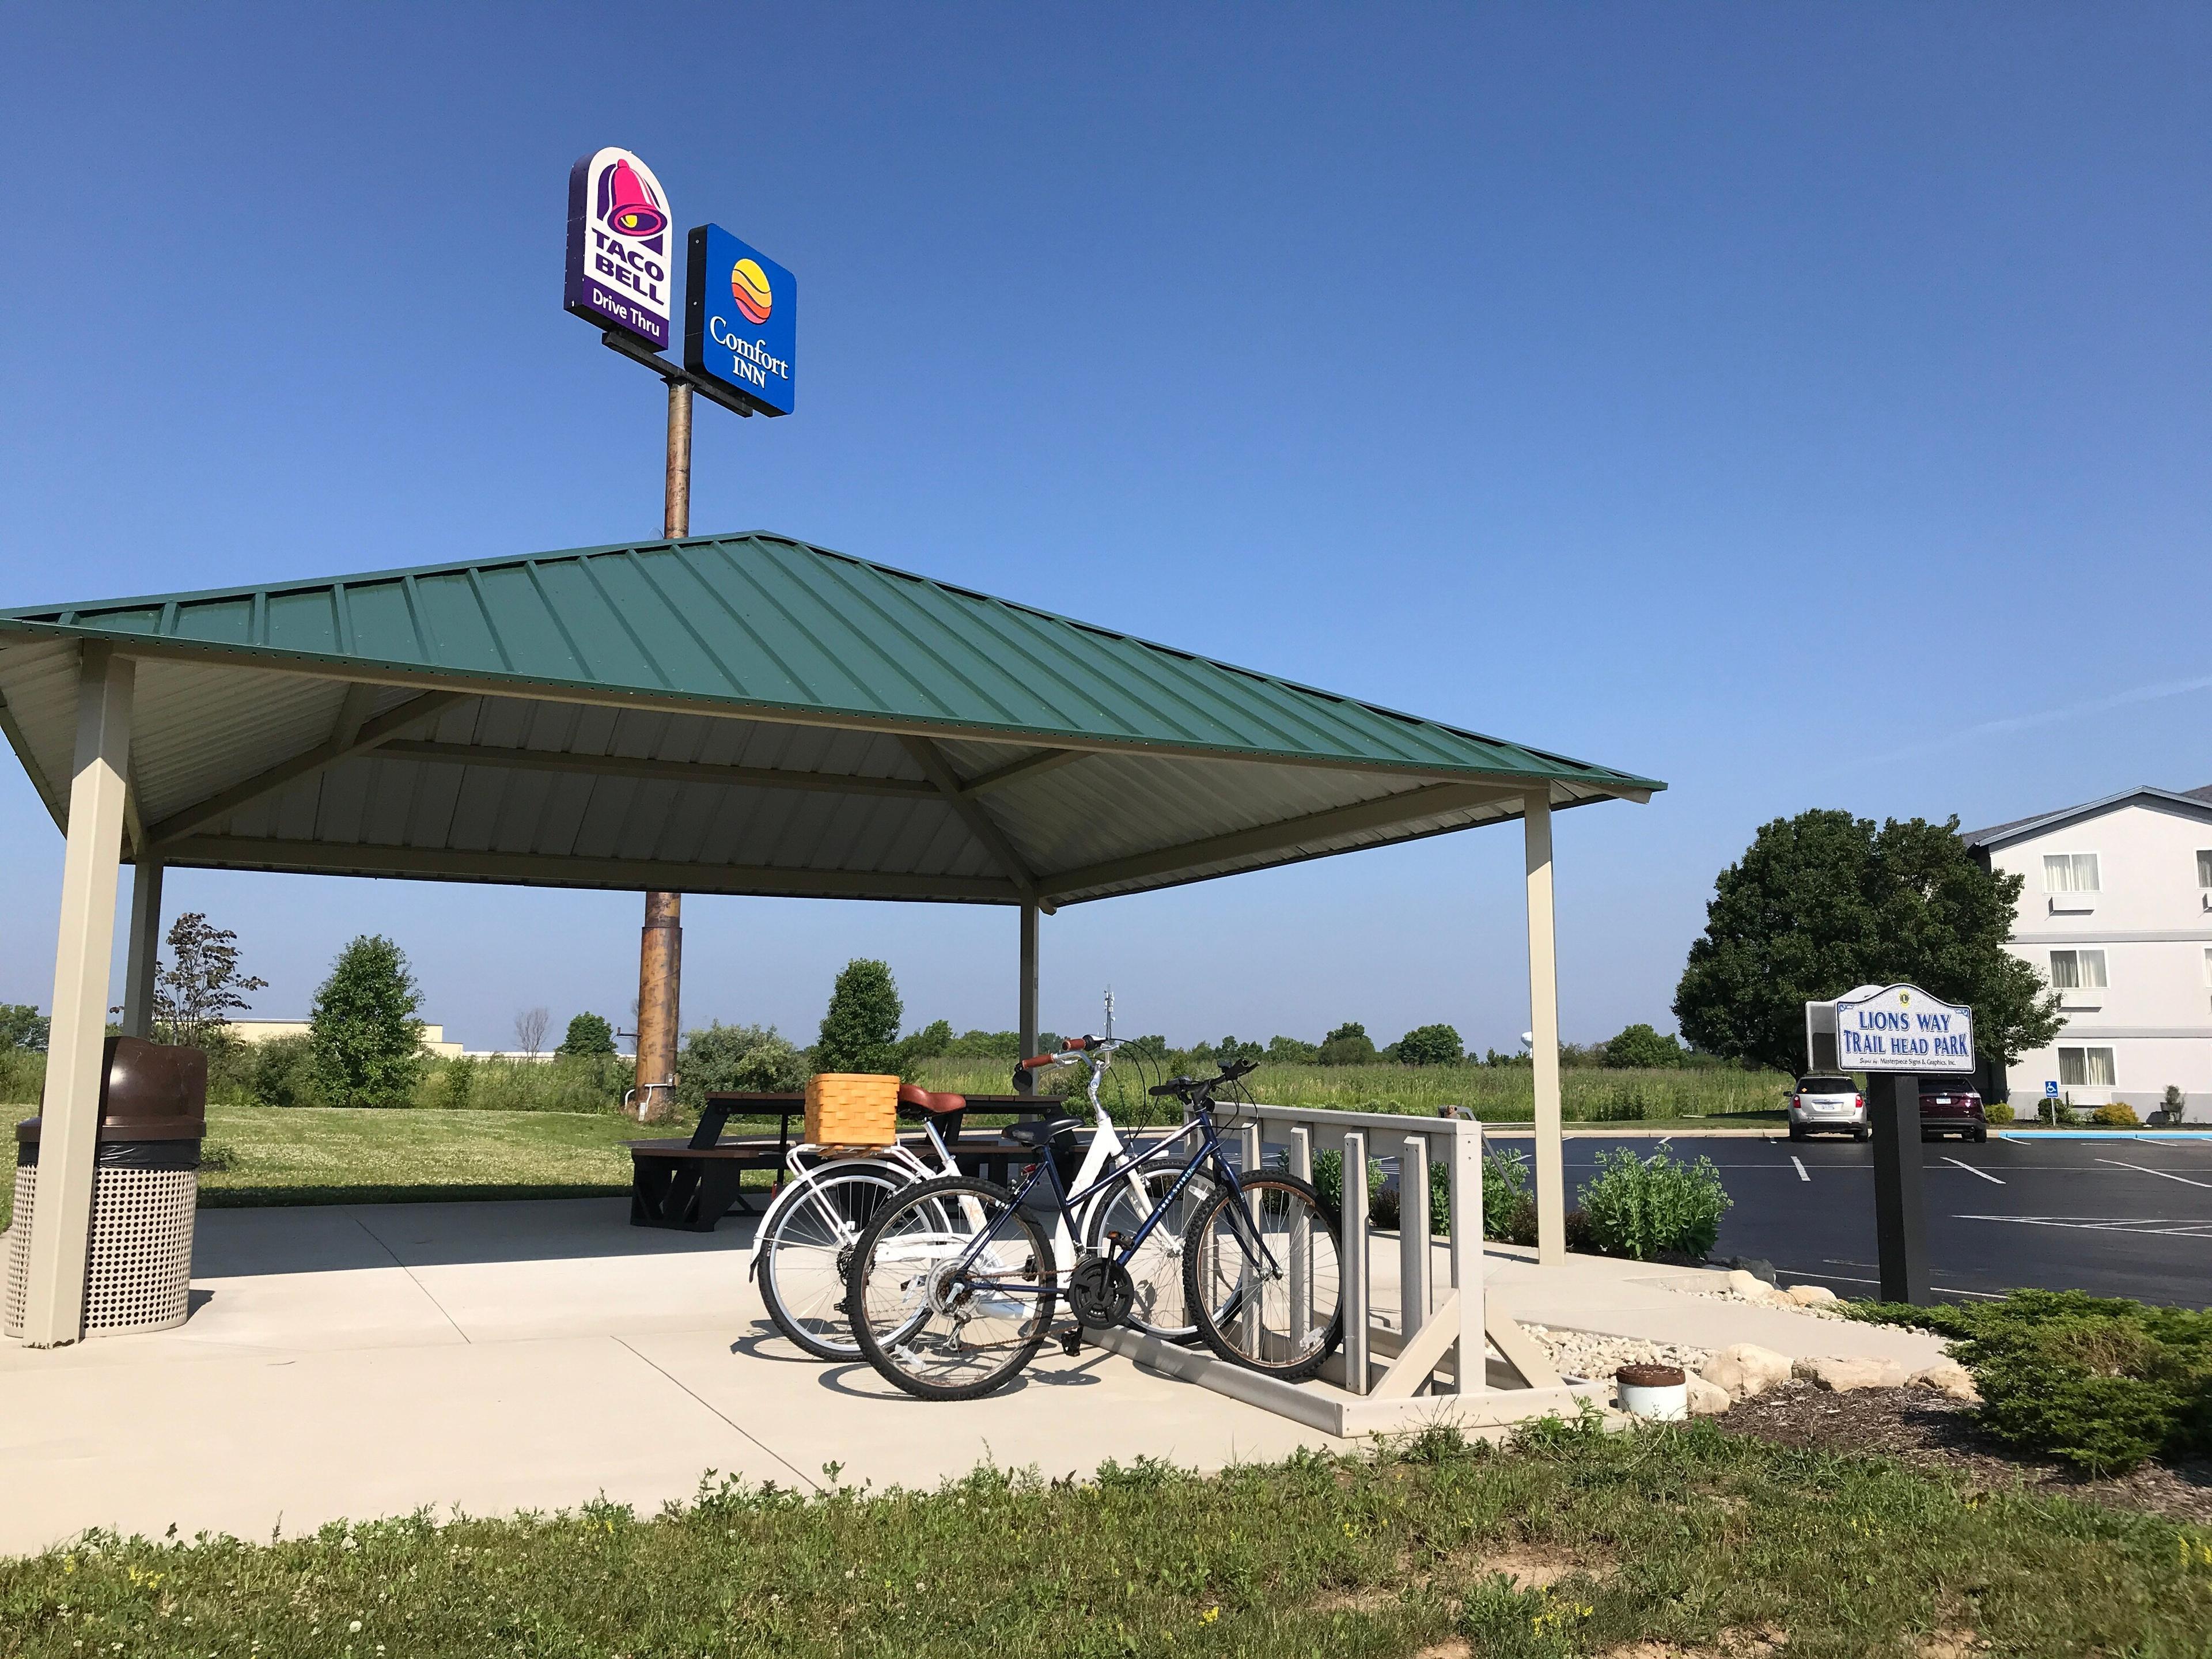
column 749, row 286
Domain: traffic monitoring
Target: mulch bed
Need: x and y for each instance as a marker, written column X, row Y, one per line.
column 1932, row 1431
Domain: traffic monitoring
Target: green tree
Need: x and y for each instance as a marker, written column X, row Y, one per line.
column 752, row 1058
column 931, row 1042
column 200, row 986
column 1824, row 902
column 1229, row 1050
column 1347, row 1045
column 859, row 1032
column 985, row 1045
column 1291, row 1051
column 1429, row 1045
column 367, row 1042
column 1640, row 1048
column 588, row 1034
column 22, row 1026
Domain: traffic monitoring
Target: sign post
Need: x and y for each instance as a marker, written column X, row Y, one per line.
column 1894, row 1034
column 742, row 327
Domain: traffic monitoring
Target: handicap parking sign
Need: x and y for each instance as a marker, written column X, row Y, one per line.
column 2050, row 1089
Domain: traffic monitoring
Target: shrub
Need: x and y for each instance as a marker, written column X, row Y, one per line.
column 1639, row 1208
column 1429, row 1045
column 367, row 1042
column 1997, row 1112
column 930, row 1043
column 283, row 1071
column 1640, row 1049
column 1509, row 1210
column 588, row 1034
column 2100, row 1382
column 2115, row 1114
column 752, row 1058
column 859, row 1031
column 1292, row 1051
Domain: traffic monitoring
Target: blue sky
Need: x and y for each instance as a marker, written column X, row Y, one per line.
column 1805, row 405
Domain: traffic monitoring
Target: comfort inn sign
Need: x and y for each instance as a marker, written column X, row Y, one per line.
column 1889, row 1028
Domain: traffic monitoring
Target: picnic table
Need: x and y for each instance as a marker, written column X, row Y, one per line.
column 692, row 1184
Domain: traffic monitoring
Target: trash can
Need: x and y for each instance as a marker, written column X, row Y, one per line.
column 153, row 1117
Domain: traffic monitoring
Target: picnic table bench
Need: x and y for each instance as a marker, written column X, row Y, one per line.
column 692, row 1184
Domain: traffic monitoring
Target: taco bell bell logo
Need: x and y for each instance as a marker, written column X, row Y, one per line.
column 619, row 269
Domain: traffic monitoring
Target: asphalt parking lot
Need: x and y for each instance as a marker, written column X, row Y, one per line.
column 2111, row 1215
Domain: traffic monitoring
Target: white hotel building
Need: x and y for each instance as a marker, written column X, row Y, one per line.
column 2116, row 912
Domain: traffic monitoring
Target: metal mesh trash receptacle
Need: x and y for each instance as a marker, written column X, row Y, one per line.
column 152, row 1118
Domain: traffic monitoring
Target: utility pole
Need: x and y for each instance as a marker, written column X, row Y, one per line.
column 660, row 945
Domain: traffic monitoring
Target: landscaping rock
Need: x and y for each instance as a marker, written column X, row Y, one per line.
column 1749, row 1287
column 1708, row 1398
column 1812, row 1295
column 1746, row 1369
column 1843, row 1375
column 1948, row 1377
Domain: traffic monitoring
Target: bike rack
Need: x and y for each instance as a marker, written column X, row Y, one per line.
column 1434, row 1364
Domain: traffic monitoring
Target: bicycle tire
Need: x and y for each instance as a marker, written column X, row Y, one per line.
column 1286, row 1203
column 895, row 1319
column 811, row 1316
column 1158, row 1267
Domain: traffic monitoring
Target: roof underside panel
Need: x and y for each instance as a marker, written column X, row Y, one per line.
column 731, row 715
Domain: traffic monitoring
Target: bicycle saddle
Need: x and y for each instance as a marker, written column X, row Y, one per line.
column 912, row 1094
column 1039, row 1131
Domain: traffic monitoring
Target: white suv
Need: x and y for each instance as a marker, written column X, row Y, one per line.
column 1828, row 1101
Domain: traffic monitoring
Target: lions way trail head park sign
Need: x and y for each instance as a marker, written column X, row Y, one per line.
column 620, row 272
column 740, row 319
column 1889, row 1028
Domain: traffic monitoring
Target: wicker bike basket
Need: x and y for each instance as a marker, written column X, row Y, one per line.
column 852, row 1108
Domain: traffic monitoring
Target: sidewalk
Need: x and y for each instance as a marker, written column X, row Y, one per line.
column 357, row 1361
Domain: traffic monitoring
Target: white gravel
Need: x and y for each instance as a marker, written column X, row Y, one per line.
column 1589, row 1356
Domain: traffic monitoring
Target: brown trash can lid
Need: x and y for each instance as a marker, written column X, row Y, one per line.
column 150, row 1091
column 1651, row 1377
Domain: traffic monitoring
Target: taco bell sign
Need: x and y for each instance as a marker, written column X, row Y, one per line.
column 620, row 271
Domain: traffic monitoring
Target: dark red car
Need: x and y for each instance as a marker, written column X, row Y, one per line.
column 1945, row 1110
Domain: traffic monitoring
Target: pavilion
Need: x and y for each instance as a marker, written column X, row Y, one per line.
column 742, row 714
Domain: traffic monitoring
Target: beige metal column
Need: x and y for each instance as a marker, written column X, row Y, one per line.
column 660, row 949
column 61, row 1224
column 1544, row 1030
column 1028, row 991
column 145, row 947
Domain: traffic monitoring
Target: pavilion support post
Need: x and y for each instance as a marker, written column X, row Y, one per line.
column 61, row 1221
column 1544, row 1032
column 145, row 945
column 660, row 949
column 1027, row 1083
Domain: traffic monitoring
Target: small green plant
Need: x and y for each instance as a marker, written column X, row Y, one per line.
column 1639, row 1208
column 2174, row 1105
column 283, row 1071
column 2115, row 1114
column 1997, row 1112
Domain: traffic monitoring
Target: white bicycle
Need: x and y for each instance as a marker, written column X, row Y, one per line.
column 803, row 1253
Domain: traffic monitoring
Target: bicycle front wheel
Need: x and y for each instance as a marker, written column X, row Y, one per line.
column 1260, row 1276
column 1156, row 1268
column 953, row 1288
column 806, row 1252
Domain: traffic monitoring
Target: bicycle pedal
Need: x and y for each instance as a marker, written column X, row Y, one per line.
column 1071, row 1344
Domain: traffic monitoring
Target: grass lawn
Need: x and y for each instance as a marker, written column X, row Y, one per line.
column 1573, row 1542
column 319, row 1155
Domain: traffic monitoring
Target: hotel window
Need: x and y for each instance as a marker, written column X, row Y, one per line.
column 2085, row 1068
column 2077, row 970
column 2069, row 872
column 2204, row 869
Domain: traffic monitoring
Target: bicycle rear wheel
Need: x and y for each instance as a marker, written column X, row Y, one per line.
column 953, row 1288
column 1261, row 1278
column 806, row 1252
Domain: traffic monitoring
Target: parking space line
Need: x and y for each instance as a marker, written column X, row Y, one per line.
column 1970, row 1169
column 2163, row 1175
column 2173, row 1227
column 1941, row 1290
column 1800, row 1162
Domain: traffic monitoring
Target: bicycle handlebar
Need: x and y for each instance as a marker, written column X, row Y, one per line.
column 1184, row 1087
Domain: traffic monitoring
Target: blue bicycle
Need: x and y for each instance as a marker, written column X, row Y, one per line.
column 955, row 1283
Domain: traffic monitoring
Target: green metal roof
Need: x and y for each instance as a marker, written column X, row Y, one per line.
column 774, row 626
column 736, row 714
